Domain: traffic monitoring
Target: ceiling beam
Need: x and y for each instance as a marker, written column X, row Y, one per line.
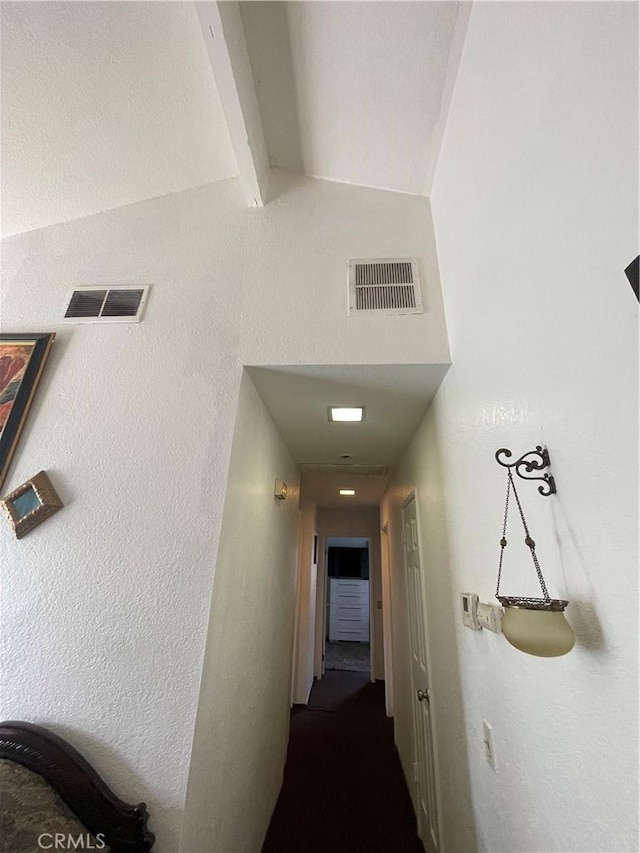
column 223, row 32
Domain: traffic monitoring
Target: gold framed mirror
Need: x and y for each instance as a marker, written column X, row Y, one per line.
column 30, row 504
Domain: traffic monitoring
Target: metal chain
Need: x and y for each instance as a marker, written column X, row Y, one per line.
column 528, row 540
column 503, row 541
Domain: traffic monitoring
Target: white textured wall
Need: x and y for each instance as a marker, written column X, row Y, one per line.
column 535, row 207
column 387, row 620
column 242, row 724
column 294, row 266
column 419, row 470
column 135, row 422
column 304, row 650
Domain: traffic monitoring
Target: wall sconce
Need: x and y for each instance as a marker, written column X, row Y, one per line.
column 536, row 626
column 280, row 490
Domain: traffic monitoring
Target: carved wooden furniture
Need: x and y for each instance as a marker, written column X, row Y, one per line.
column 119, row 827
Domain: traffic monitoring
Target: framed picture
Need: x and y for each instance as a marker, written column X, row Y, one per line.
column 28, row 505
column 22, row 360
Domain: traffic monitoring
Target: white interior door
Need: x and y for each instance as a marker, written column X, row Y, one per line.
column 422, row 697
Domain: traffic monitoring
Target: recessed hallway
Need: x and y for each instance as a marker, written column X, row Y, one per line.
column 343, row 787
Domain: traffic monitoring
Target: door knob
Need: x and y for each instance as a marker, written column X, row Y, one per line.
column 423, row 694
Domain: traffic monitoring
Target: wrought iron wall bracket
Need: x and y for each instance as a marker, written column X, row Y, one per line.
column 528, row 465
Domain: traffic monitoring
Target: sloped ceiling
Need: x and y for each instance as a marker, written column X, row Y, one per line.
column 351, row 91
column 104, row 104
column 109, row 103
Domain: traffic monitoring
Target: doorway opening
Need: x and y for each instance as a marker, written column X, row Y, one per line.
column 347, row 645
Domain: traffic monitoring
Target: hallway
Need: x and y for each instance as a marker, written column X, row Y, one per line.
column 343, row 787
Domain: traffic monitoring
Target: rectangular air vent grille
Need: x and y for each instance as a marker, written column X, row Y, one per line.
column 118, row 304
column 384, row 272
column 381, row 298
column 388, row 286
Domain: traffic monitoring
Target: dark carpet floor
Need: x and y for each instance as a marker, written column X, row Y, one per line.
column 343, row 790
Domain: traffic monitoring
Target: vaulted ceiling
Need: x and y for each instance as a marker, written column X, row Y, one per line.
column 353, row 91
column 104, row 104
column 108, row 103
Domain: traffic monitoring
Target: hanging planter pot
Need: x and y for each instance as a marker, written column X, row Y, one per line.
column 536, row 626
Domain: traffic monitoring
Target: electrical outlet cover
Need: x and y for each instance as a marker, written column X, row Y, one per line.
column 490, row 617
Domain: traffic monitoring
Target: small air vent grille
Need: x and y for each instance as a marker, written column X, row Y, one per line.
column 85, row 303
column 388, row 286
column 384, row 272
column 121, row 304
column 384, row 297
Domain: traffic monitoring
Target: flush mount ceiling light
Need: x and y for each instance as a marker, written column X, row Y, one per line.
column 348, row 492
column 351, row 414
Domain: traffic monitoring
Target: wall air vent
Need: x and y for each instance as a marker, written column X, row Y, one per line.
column 118, row 304
column 385, row 286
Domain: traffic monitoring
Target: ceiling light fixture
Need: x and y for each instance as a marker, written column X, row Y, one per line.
column 352, row 414
column 348, row 492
